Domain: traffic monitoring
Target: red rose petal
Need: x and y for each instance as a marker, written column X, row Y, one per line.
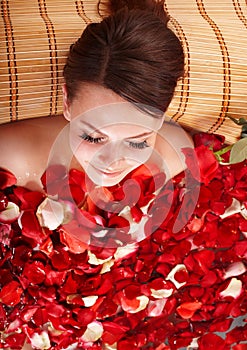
column 28, row 199
column 85, row 316
column 34, row 272
column 11, row 293
column 221, row 325
column 7, row 179
column 113, row 332
column 61, row 260
column 15, row 341
column 3, row 201
column 187, row 309
column 31, row 227
column 74, row 244
column 211, row 341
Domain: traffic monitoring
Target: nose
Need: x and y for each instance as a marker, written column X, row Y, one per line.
column 111, row 156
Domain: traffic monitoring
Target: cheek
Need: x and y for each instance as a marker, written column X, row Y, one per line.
column 85, row 152
column 82, row 150
column 152, row 140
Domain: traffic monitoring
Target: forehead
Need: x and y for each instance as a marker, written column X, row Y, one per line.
column 119, row 115
column 103, row 108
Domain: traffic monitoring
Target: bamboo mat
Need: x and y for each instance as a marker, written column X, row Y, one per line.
column 36, row 35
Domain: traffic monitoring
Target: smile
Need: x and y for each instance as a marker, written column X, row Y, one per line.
column 111, row 173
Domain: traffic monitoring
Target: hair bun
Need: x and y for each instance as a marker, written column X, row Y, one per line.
column 111, row 7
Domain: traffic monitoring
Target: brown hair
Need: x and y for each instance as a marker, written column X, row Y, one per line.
column 131, row 51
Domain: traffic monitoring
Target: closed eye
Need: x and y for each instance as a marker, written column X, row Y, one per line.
column 96, row 140
column 91, row 139
column 138, row 145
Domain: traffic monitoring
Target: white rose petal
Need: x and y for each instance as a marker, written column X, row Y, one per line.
column 93, row 332
column 68, row 211
column 107, row 266
column 11, row 213
column 90, row 301
column 125, row 213
column 50, row 214
column 72, row 347
column 234, row 289
column 244, row 212
column 138, row 232
column 161, row 293
column 110, row 347
column 193, row 344
column 40, row 341
column 95, row 261
column 155, row 307
column 143, row 302
column 171, row 275
column 122, row 252
column 100, row 234
column 234, row 208
column 235, row 269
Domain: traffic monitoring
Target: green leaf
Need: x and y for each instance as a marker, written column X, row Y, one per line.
column 239, row 151
column 240, row 121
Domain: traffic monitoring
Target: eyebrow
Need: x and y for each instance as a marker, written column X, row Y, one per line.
column 132, row 137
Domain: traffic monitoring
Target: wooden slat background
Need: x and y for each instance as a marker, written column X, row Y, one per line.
column 35, row 37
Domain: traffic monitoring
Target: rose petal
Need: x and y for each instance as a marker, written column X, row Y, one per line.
column 93, row 332
column 187, row 309
column 11, row 293
column 134, row 305
column 155, row 308
column 7, row 179
column 235, row 269
column 234, row 289
column 10, row 214
column 50, row 214
column 174, row 271
column 90, row 300
column 113, row 332
column 40, row 341
column 34, row 272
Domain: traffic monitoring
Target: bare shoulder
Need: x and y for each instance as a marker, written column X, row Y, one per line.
column 25, row 147
column 171, row 139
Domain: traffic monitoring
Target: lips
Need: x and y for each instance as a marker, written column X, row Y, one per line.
column 107, row 174
column 111, row 173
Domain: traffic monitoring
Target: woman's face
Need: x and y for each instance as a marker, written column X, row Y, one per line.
column 108, row 136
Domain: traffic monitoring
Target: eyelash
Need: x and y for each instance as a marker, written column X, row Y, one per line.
column 139, row 145
column 96, row 140
column 91, row 139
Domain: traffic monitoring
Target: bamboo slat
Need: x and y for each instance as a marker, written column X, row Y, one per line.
column 35, row 37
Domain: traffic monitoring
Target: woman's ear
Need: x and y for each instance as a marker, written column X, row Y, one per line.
column 66, row 104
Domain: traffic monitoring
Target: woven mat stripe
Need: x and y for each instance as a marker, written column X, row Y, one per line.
column 12, row 66
column 185, row 83
column 81, row 12
column 226, row 68
column 53, row 56
column 239, row 12
column 99, row 3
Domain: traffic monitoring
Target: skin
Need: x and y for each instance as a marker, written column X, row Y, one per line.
column 26, row 145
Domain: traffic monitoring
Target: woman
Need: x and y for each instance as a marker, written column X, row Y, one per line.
column 132, row 57
column 126, row 265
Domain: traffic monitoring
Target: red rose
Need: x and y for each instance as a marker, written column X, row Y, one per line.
column 202, row 163
column 212, row 141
